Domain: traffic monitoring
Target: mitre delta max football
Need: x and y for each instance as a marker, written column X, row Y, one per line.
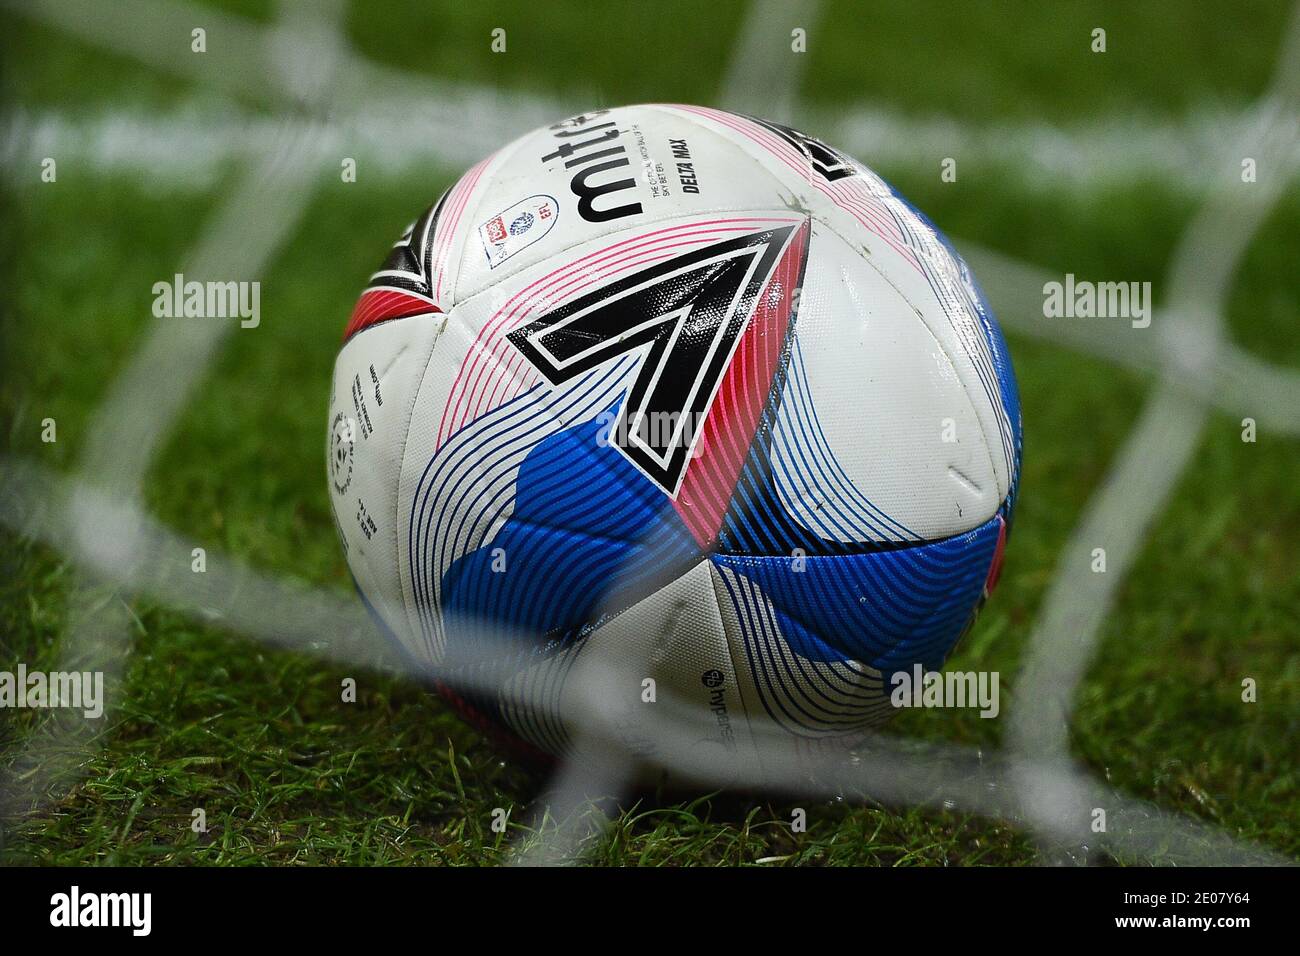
column 670, row 393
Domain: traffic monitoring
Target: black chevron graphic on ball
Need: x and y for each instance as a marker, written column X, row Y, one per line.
column 686, row 314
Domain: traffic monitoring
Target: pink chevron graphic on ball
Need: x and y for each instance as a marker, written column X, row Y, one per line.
column 732, row 419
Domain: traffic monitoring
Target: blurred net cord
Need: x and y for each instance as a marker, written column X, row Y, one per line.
column 301, row 65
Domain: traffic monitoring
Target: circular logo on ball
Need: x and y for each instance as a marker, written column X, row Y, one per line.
column 522, row 224
column 712, row 678
column 340, row 454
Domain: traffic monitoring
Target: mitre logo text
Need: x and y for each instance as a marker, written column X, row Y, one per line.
column 74, row 908
column 594, row 151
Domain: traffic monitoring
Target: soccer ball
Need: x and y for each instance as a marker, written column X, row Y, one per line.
column 668, row 407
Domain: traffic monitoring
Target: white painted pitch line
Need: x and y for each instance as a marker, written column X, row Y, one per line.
column 189, row 148
column 396, row 122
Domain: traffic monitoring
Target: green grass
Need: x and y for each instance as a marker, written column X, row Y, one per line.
column 288, row 774
column 1009, row 59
